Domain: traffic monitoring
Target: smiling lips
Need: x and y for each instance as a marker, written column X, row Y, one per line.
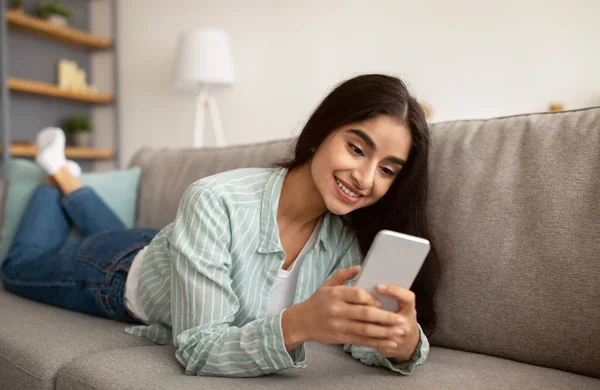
column 348, row 193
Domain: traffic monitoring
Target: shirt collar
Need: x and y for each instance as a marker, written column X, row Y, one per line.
column 269, row 230
column 323, row 233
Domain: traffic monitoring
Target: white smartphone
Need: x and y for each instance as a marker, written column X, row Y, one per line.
column 393, row 258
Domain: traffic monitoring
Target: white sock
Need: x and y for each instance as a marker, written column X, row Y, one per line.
column 74, row 168
column 51, row 149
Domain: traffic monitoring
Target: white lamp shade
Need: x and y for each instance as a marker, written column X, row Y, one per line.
column 204, row 58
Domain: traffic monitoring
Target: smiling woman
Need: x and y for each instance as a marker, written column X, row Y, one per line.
column 369, row 137
column 364, row 158
column 257, row 261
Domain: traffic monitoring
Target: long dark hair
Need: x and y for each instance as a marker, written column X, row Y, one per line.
column 403, row 207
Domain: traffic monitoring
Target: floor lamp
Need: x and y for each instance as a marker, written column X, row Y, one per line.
column 205, row 61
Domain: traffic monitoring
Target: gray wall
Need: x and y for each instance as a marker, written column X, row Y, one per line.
column 35, row 58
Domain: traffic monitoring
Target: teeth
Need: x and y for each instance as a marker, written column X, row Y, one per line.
column 346, row 190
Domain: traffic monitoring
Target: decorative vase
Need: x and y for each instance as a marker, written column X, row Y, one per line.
column 81, row 138
column 58, row 20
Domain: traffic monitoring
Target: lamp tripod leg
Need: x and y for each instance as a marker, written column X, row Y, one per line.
column 216, row 121
column 199, row 121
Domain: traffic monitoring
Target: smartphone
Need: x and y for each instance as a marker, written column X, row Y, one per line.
column 393, row 258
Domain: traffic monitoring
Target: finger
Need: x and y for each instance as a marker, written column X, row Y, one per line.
column 369, row 330
column 379, row 344
column 373, row 315
column 356, row 295
column 405, row 296
column 342, row 276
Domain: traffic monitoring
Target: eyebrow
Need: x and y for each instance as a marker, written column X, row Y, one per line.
column 370, row 143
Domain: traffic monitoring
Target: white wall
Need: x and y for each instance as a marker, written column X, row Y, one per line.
column 467, row 58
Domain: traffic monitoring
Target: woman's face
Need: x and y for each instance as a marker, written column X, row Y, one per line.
column 356, row 165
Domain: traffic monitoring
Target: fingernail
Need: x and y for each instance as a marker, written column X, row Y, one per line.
column 399, row 331
column 400, row 319
column 377, row 303
column 393, row 345
column 382, row 287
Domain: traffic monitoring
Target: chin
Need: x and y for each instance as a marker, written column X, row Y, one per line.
column 339, row 209
column 339, row 212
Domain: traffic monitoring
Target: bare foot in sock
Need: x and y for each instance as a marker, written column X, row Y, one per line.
column 51, row 152
column 51, row 149
column 73, row 168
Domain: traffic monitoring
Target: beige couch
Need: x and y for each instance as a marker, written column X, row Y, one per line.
column 515, row 207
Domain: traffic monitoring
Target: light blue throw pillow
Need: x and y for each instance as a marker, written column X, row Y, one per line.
column 117, row 188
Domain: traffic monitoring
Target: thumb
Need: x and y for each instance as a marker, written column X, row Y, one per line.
column 341, row 276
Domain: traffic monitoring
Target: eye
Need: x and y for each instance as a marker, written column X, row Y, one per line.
column 355, row 149
column 387, row 171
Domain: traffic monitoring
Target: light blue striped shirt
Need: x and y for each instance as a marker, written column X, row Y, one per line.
column 206, row 277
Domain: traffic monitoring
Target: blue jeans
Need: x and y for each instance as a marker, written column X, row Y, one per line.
column 86, row 274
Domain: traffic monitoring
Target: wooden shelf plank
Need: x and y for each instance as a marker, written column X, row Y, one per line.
column 19, row 21
column 45, row 89
column 89, row 153
column 73, row 152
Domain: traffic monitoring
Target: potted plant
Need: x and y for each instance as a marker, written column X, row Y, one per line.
column 79, row 130
column 16, row 5
column 54, row 12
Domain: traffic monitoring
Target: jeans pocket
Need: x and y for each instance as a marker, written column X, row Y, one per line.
column 105, row 251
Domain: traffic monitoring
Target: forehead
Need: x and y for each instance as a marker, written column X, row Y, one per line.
column 390, row 136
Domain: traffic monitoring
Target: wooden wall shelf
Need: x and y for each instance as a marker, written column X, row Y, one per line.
column 19, row 21
column 72, row 152
column 45, row 89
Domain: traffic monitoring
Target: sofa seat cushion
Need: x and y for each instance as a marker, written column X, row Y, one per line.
column 329, row 367
column 36, row 340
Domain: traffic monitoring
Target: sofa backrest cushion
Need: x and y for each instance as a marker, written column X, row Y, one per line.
column 515, row 208
column 166, row 173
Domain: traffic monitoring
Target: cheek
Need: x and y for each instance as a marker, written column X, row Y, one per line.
column 318, row 167
column 320, row 172
column 323, row 163
column 380, row 189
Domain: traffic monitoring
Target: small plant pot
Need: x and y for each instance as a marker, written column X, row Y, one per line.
column 81, row 138
column 58, row 20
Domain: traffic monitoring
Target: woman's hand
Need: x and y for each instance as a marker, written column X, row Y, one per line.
column 409, row 340
column 336, row 314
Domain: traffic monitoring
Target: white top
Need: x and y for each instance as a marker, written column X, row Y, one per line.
column 282, row 292
column 281, row 295
column 133, row 300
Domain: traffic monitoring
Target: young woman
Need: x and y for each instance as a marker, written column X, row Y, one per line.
column 257, row 261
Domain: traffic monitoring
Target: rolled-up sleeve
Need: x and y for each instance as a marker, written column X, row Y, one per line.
column 372, row 357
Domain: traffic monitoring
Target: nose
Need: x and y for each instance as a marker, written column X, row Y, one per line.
column 363, row 177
